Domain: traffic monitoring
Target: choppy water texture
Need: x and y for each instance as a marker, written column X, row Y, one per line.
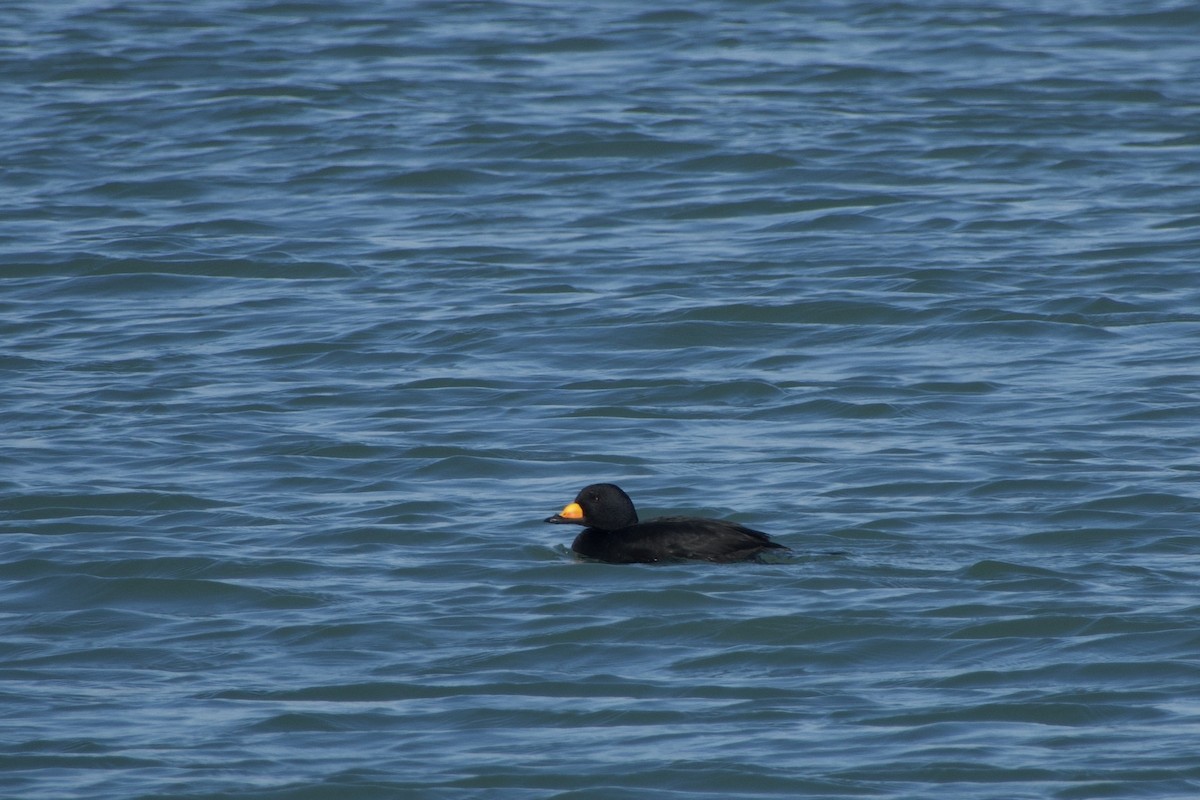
column 311, row 312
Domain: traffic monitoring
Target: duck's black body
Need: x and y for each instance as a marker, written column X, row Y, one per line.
column 615, row 535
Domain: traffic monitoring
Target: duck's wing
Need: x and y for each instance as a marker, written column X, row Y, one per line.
column 699, row 538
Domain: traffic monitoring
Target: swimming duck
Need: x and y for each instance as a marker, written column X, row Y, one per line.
column 614, row 534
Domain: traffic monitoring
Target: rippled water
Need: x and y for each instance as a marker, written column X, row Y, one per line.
column 312, row 311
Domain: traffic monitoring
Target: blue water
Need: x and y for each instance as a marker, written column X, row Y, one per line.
column 311, row 312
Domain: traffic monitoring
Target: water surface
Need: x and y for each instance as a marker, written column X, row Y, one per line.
column 312, row 312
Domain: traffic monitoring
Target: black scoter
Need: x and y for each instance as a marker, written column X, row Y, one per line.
column 613, row 533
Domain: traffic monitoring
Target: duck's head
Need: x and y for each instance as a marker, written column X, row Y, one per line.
column 601, row 505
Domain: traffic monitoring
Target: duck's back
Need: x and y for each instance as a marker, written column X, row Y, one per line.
column 674, row 538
